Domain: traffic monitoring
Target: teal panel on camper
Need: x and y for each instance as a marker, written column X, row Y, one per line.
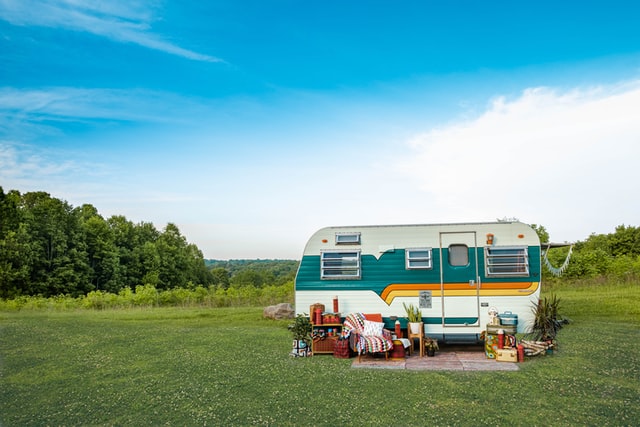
column 390, row 268
column 457, row 274
column 377, row 274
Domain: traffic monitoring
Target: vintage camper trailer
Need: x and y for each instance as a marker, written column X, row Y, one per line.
column 455, row 274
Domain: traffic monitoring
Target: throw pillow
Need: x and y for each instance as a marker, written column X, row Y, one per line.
column 372, row 328
column 374, row 317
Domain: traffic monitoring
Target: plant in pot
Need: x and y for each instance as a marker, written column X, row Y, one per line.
column 301, row 331
column 430, row 346
column 546, row 323
column 414, row 317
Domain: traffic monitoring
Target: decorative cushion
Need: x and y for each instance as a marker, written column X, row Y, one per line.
column 374, row 317
column 372, row 328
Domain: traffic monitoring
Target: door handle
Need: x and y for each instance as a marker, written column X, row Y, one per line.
column 472, row 282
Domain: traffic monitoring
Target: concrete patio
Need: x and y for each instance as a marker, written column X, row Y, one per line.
column 448, row 358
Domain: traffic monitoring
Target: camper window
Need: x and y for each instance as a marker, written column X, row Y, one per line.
column 506, row 261
column 418, row 258
column 340, row 264
column 458, row 255
column 347, row 238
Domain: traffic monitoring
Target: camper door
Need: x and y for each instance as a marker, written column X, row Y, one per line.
column 459, row 279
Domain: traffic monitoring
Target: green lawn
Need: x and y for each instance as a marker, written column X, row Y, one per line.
column 228, row 366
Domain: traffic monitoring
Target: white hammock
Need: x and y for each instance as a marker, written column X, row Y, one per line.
column 557, row 271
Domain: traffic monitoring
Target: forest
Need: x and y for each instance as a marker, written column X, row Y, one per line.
column 50, row 248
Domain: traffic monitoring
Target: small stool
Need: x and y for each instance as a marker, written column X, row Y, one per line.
column 419, row 335
column 397, row 353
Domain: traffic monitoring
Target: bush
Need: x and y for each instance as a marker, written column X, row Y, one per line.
column 626, row 267
column 149, row 296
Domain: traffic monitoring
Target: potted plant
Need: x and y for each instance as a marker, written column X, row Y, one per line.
column 546, row 323
column 414, row 317
column 301, row 331
column 430, row 346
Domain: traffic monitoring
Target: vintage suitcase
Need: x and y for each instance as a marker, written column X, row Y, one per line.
column 507, row 355
column 508, row 329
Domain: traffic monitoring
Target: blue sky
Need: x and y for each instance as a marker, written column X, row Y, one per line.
column 252, row 124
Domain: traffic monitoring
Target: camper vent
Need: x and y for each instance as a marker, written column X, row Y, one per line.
column 506, row 261
column 340, row 264
column 347, row 238
column 418, row 258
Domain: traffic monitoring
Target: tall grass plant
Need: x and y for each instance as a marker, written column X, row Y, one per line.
column 149, row 296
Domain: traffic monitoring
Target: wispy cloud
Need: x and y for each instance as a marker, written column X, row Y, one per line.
column 126, row 21
column 23, row 167
column 554, row 157
column 69, row 104
column 36, row 116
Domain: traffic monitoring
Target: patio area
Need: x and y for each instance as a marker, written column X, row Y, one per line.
column 448, row 358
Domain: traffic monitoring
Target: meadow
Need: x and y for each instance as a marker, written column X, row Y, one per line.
column 229, row 366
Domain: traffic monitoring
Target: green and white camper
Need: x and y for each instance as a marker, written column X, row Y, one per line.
column 455, row 273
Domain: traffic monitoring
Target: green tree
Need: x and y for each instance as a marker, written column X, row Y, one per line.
column 198, row 271
column 542, row 233
column 14, row 252
column 14, row 267
column 58, row 258
column 102, row 252
column 174, row 266
column 625, row 241
column 220, row 277
column 144, row 267
column 181, row 263
column 9, row 213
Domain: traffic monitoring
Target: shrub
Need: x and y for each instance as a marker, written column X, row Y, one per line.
column 149, row 296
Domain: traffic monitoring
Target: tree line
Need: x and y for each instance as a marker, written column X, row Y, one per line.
column 49, row 248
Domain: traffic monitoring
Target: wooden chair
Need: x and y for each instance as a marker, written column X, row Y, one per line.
column 360, row 341
column 419, row 336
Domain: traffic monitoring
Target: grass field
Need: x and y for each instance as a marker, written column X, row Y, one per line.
column 228, row 366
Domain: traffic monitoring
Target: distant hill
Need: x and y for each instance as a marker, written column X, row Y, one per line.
column 276, row 271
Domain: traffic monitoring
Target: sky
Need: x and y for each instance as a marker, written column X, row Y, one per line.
column 251, row 124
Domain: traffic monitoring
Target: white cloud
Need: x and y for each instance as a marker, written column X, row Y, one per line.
column 121, row 21
column 22, row 106
column 566, row 160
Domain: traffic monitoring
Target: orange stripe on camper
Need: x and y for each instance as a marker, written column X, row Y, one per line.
column 457, row 289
